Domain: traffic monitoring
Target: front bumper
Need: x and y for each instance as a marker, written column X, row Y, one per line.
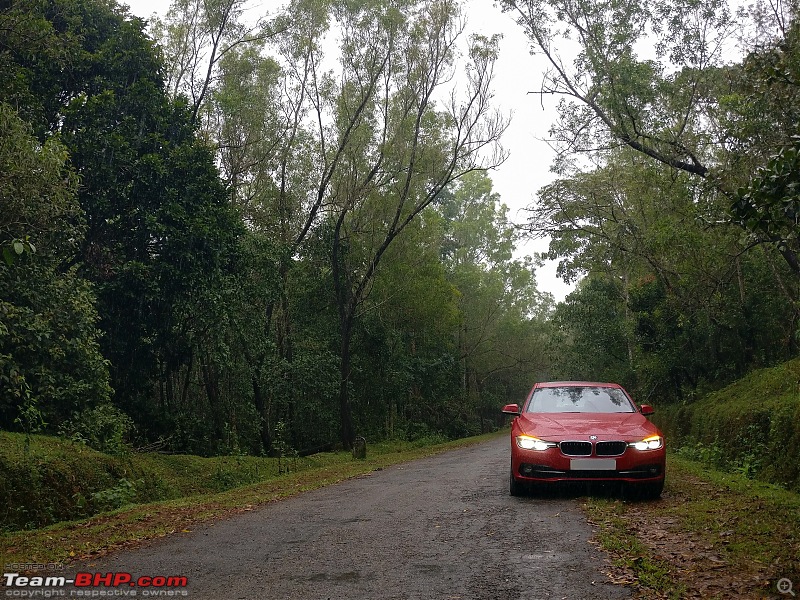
column 552, row 465
column 534, row 473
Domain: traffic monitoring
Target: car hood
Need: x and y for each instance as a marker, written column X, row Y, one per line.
column 579, row 426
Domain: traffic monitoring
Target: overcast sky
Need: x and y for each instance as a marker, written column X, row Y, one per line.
column 516, row 73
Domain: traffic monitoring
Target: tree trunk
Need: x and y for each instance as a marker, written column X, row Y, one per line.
column 188, row 379
column 211, row 384
column 263, row 412
column 347, row 432
column 283, row 333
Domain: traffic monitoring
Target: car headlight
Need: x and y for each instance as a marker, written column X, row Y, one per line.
column 528, row 442
column 653, row 442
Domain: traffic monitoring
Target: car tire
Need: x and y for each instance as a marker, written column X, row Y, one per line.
column 515, row 488
column 649, row 491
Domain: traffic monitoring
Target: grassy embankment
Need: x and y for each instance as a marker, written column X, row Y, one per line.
column 106, row 502
column 728, row 524
column 752, row 426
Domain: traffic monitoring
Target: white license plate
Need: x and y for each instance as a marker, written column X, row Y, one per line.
column 593, row 464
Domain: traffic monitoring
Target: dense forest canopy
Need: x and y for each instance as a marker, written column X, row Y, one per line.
column 225, row 234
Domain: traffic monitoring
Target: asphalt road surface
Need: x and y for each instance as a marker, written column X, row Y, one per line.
column 443, row 527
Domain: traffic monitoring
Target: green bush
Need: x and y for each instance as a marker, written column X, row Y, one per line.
column 115, row 497
column 104, row 428
column 45, row 479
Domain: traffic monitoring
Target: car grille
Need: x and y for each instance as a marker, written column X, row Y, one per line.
column 576, row 448
column 610, row 448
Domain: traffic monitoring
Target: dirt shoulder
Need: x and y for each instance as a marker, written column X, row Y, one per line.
column 711, row 535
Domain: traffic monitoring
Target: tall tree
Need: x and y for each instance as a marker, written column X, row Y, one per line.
column 765, row 113
column 259, row 92
column 196, row 36
column 405, row 369
column 50, row 361
column 394, row 150
column 670, row 298
column 501, row 333
column 654, row 104
column 659, row 77
column 159, row 227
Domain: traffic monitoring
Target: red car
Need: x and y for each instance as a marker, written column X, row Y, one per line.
column 582, row 431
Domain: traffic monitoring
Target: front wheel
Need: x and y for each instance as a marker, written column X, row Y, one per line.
column 648, row 491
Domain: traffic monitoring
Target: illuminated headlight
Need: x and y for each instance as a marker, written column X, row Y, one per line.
column 527, row 442
column 652, row 443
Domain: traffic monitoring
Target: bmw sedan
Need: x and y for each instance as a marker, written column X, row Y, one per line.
column 582, row 431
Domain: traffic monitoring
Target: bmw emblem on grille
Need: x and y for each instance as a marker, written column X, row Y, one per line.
column 592, row 437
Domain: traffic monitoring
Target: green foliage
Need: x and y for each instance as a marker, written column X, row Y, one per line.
column 668, row 304
column 159, row 230
column 751, row 427
column 44, row 480
column 501, row 331
column 386, row 120
column 228, row 476
column 684, row 106
column 103, row 427
column 351, row 270
column 16, row 248
column 766, row 109
column 30, row 418
column 50, row 362
column 221, row 308
column 114, row 497
column 51, row 343
column 770, row 204
column 590, row 339
column 609, row 95
column 283, row 448
column 710, row 454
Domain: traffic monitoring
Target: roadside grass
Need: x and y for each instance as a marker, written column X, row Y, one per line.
column 131, row 524
column 711, row 535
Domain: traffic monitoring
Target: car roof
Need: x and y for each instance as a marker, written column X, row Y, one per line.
column 542, row 384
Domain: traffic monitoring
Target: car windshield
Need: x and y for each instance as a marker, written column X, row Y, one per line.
column 588, row 399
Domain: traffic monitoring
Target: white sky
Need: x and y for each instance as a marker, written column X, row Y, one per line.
column 516, row 73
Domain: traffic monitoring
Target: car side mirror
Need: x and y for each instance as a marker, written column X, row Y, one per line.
column 647, row 410
column 511, row 409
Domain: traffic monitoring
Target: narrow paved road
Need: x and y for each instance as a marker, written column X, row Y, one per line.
column 443, row 527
